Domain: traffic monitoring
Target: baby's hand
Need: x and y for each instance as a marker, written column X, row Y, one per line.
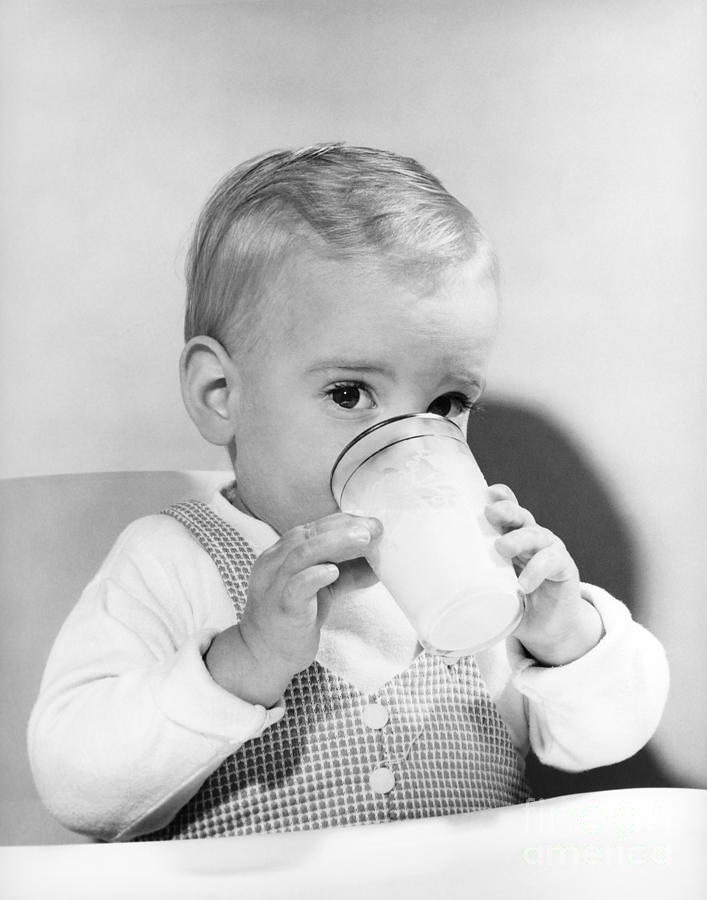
column 558, row 626
column 284, row 613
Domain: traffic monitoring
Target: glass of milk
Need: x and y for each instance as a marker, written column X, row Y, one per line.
column 436, row 556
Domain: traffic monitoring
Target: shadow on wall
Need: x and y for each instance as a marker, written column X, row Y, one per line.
column 550, row 477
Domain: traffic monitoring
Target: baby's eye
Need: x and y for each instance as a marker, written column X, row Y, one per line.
column 450, row 405
column 351, row 396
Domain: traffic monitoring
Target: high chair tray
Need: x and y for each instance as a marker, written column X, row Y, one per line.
column 646, row 843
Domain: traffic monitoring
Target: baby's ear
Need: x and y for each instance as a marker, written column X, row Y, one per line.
column 208, row 378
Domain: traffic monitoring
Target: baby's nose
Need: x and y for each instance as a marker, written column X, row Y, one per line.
column 410, row 404
column 398, row 413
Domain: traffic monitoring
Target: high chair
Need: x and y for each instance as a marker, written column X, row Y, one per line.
column 55, row 532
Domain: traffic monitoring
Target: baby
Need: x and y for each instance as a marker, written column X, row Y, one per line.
column 235, row 667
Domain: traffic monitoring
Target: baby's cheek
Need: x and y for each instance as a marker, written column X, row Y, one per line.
column 309, row 503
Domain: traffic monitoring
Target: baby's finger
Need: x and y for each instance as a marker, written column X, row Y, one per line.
column 301, row 589
column 506, row 514
column 501, row 492
column 526, row 541
column 333, row 522
column 552, row 563
column 274, row 557
column 349, row 541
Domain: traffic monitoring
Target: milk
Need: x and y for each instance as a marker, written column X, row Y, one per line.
column 436, row 555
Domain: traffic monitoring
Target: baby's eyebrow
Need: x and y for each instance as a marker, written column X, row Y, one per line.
column 461, row 376
column 472, row 379
column 351, row 365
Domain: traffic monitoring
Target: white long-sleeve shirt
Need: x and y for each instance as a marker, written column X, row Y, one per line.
column 129, row 723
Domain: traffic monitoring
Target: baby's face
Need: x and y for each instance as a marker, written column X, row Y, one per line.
column 346, row 348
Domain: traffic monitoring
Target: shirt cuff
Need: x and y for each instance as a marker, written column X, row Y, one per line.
column 536, row 680
column 187, row 695
column 602, row 707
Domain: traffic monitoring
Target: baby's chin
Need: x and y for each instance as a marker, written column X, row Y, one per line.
column 284, row 520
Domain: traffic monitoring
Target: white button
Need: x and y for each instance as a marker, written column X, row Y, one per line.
column 382, row 780
column 375, row 715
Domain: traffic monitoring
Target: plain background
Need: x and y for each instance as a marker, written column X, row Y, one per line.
column 574, row 130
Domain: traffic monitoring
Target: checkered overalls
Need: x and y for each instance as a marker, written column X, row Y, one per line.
column 429, row 742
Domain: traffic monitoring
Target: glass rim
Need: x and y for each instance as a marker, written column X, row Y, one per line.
column 378, row 425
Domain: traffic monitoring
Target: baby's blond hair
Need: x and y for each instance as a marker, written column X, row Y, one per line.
column 344, row 202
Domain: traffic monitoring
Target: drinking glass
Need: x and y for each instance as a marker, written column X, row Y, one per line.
column 436, row 555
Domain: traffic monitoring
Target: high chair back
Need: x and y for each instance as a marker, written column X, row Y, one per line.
column 54, row 533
